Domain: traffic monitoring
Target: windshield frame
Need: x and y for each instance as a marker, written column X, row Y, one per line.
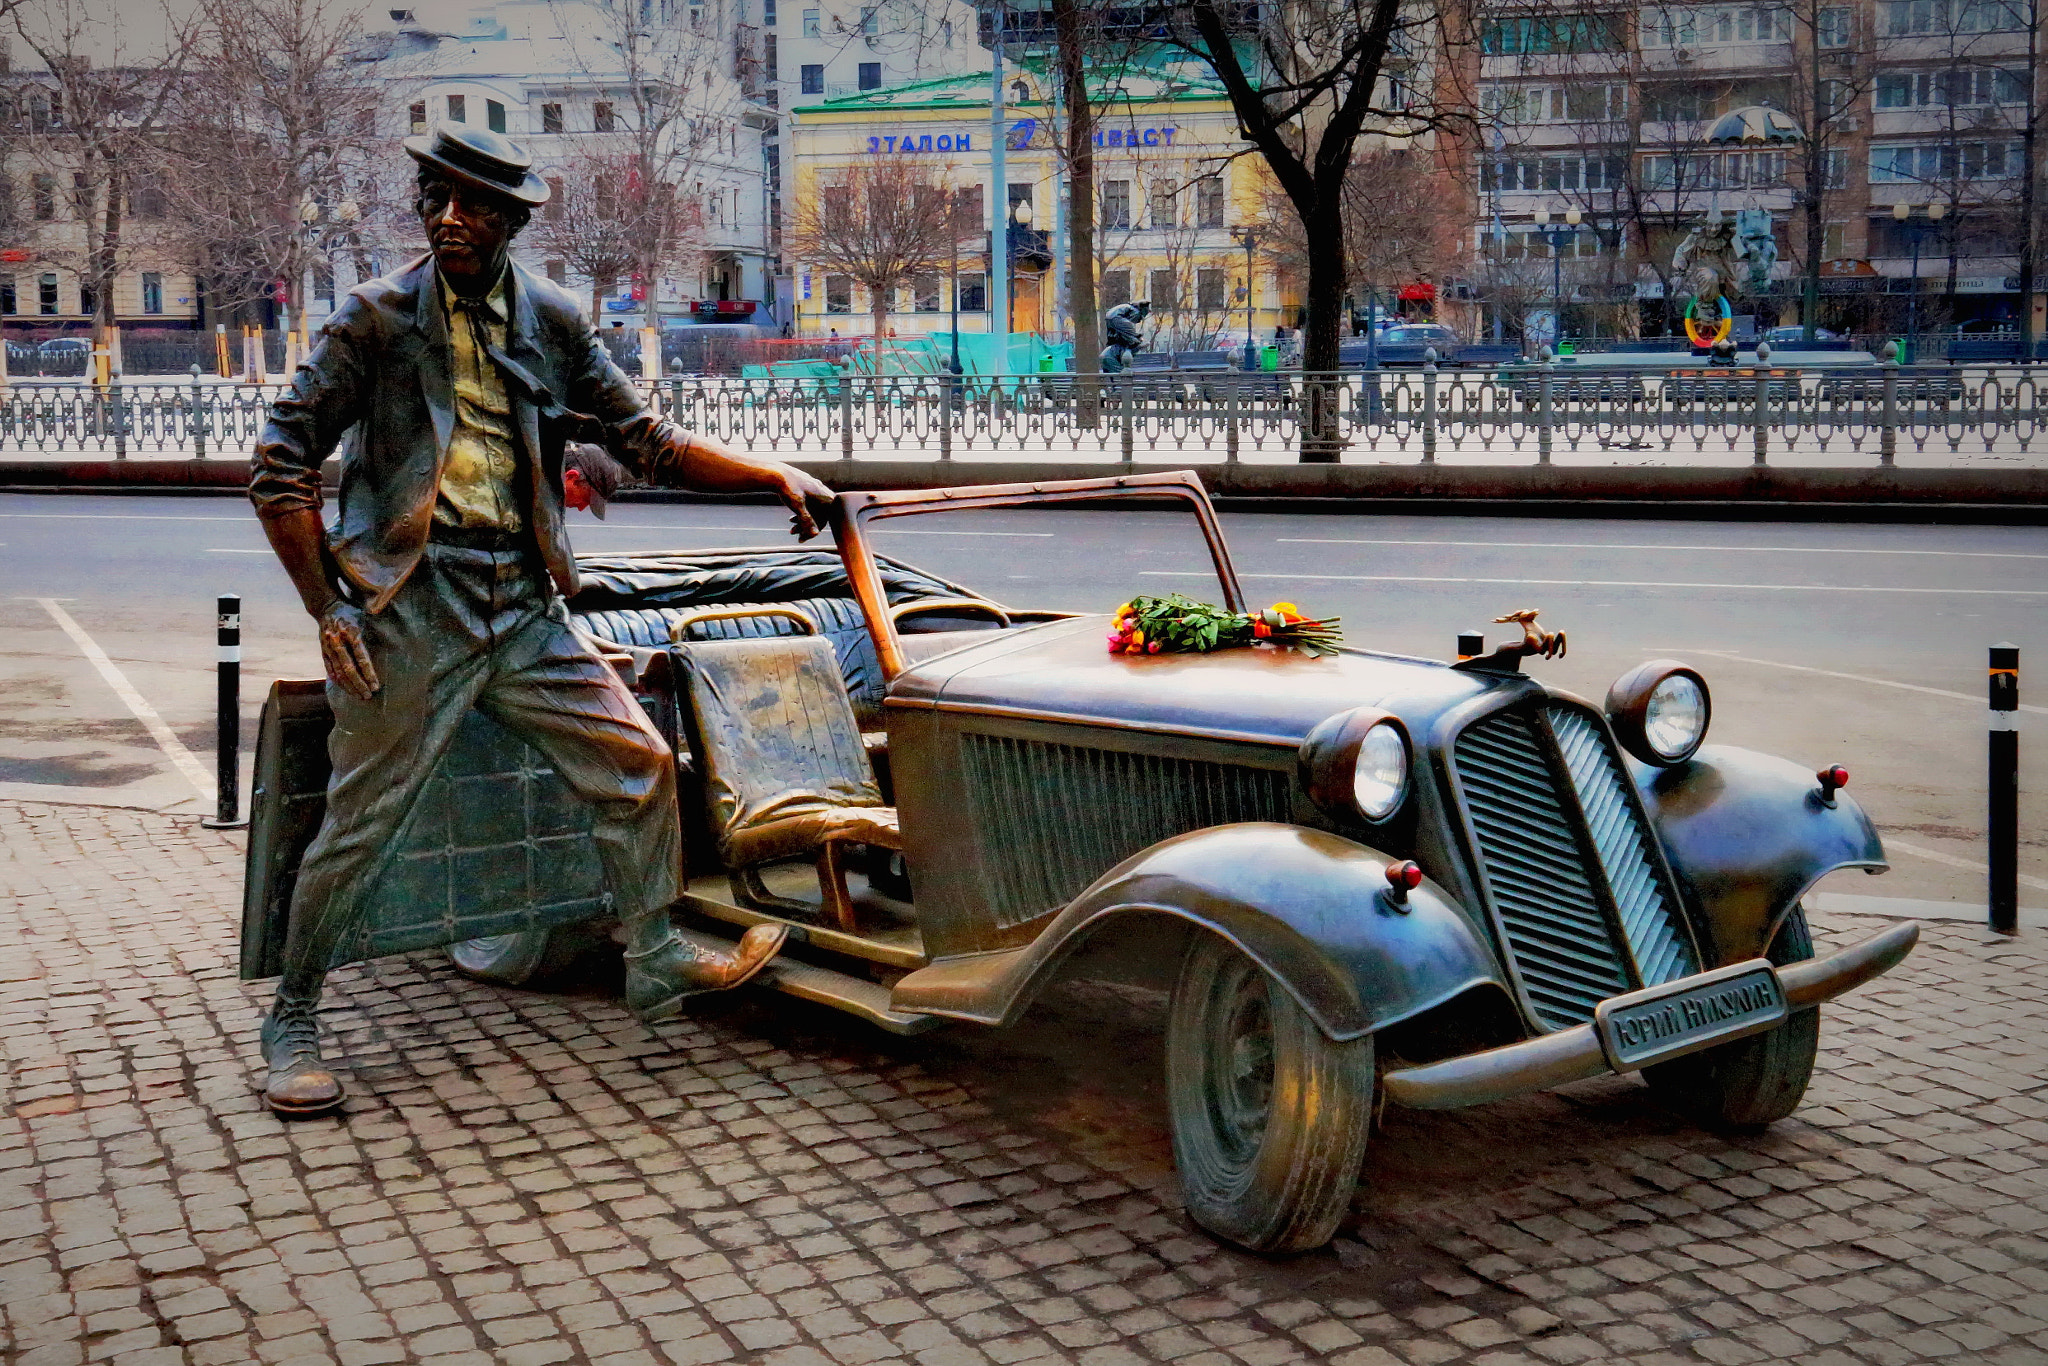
column 853, row 512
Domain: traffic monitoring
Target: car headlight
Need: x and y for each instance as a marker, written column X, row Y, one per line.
column 1356, row 765
column 1660, row 711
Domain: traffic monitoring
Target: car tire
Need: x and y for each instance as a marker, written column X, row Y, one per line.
column 1754, row 1081
column 1270, row 1117
column 524, row 957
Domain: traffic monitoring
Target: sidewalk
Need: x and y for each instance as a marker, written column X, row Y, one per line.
column 526, row 1178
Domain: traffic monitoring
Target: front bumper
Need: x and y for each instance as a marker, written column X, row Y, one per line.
column 1575, row 1054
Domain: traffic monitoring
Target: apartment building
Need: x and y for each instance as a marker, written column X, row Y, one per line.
column 1596, row 157
column 569, row 80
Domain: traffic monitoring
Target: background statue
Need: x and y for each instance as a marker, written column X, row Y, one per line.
column 1123, row 323
column 1757, row 247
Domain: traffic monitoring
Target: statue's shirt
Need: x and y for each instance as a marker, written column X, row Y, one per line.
column 479, row 474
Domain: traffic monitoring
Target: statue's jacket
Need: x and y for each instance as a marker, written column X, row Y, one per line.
column 378, row 385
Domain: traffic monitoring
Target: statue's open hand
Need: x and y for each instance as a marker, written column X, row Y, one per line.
column 346, row 656
column 808, row 499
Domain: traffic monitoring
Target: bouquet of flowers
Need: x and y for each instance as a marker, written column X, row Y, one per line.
column 1180, row 625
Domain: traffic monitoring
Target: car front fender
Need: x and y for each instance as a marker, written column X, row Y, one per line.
column 1311, row 908
column 1747, row 835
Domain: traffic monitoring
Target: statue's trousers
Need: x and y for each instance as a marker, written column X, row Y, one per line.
column 480, row 628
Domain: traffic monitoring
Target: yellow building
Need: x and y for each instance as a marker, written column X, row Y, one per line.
column 1171, row 203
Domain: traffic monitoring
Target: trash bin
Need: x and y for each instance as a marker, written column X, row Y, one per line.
column 1269, row 358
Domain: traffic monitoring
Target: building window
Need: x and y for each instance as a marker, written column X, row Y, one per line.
column 1163, row 209
column 1835, row 241
column 768, row 58
column 1834, row 169
column 82, row 196
column 458, row 109
column 46, row 294
column 1937, row 163
column 974, row 293
column 1530, row 35
column 1905, row 18
column 557, row 271
column 1210, row 286
column 601, row 118
column 870, row 19
column 416, row 118
column 1116, row 288
column 1165, row 292
column 146, row 199
column 1209, row 202
column 967, row 208
column 1955, row 88
column 153, row 290
column 871, row 75
column 1831, row 28
column 44, row 188
column 811, row 29
column 494, row 116
column 768, row 13
column 1116, row 204
column 552, row 210
column 88, row 299
column 8, row 302
column 551, row 118
column 924, row 292
column 323, row 288
column 813, row 76
column 839, row 294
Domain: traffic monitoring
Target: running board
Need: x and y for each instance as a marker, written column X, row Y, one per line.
column 826, row 987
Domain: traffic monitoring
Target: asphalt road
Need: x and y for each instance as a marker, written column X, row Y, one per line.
column 1858, row 644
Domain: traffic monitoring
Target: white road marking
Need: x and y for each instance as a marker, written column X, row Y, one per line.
column 1937, row 856
column 239, row 550
column 1607, row 583
column 173, row 748
column 1858, row 678
column 1603, row 545
column 114, row 517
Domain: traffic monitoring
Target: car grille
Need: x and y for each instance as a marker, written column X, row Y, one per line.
column 1551, row 910
column 1068, row 815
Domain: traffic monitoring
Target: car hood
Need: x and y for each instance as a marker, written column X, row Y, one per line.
column 1063, row 671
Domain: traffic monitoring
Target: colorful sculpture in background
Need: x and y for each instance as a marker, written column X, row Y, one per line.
column 1720, row 259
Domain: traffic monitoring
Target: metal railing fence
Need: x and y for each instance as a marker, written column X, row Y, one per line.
column 1514, row 415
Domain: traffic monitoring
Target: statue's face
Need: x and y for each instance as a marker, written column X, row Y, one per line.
column 469, row 230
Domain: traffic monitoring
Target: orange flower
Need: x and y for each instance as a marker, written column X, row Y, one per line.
column 1261, row 630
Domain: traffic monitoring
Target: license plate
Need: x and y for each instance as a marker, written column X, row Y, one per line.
column 1662, row 1022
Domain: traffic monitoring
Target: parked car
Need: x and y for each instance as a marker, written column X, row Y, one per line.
column 65, row 346
column 1794, row 335
column 1367, row 877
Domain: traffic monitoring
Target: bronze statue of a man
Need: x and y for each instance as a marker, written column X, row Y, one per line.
column 440, row 587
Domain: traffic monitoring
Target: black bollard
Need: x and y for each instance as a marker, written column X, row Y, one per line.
column 227, row 745
column 2002, row 823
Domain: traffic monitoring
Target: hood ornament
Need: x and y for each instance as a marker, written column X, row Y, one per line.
column 1508, row 656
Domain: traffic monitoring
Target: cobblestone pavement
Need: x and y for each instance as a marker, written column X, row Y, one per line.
column 528, row 1178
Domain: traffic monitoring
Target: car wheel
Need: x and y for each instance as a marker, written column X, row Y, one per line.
column 1754, row 1081
column 522, row 957
column 1269, row 1116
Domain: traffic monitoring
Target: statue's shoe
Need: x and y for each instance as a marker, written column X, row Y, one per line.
column 299, row 1083
column 661, row 979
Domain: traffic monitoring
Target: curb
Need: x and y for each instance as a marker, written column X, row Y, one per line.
column 2016, row 496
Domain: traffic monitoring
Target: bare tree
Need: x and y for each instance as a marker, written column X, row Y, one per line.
column 1398, row 223
column 278, row 156
column 592, row 222
column 96, row 139
column 673, row 106
column 1314, row 85
column 881, row 223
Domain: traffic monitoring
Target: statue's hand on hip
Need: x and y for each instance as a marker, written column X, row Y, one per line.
column 346, row 656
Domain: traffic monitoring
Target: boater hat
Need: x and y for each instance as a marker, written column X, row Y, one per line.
column 483, row 160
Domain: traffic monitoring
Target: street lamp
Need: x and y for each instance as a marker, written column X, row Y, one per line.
column 1251, row 345
column 1020, row 223
column 1902, row 214
column 1557, row 237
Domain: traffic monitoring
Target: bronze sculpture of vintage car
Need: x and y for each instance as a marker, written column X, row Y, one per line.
column 1386, row 877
